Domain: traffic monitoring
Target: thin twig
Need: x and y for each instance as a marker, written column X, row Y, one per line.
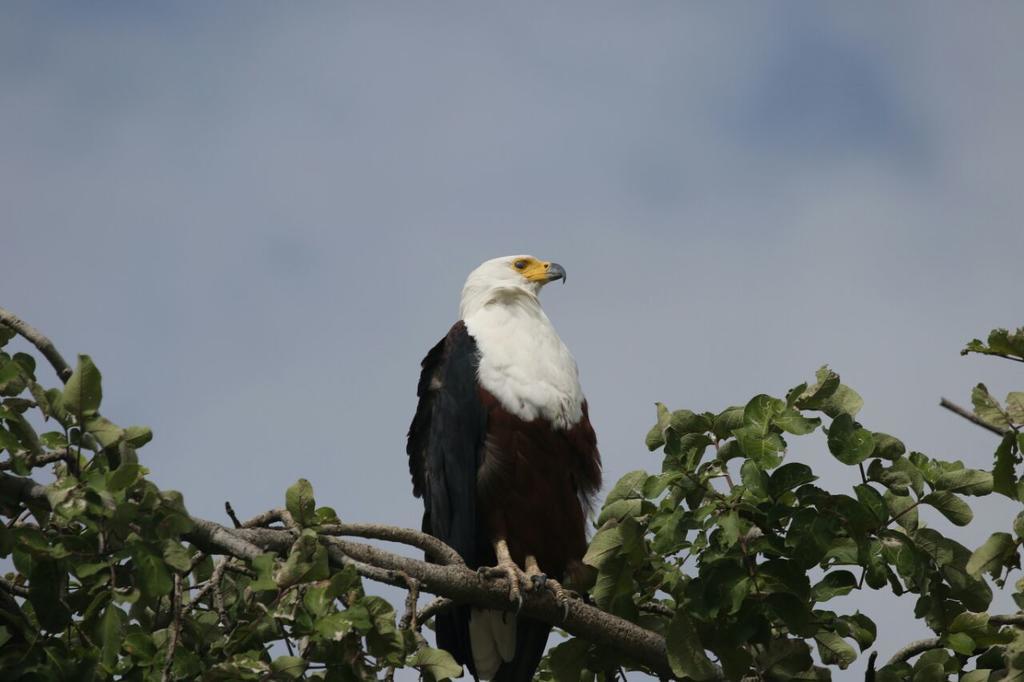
column 973, row 418
column 913, row 649
column 432, row 609
column 658, row 608
column 172, row 642
column 231, row 514
column 922, row 645
column 8, row 586
column 218, row 593
column 36, row 338
column 438, row 550
column 42, row 459
column 264, row 519
column 411, row 600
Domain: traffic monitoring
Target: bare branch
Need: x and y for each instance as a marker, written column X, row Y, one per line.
column 971, row 417
column 264, row 519
column 231, row 514
column 436, row 606
column 375, row 531
column 42, row 459
column 913, row 649
column 172, row 643
column 923, row 645
column 36, row 338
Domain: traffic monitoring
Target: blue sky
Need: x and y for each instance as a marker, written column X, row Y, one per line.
column 257, row 217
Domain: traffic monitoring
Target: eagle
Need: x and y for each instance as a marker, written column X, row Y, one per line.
column 503, row 454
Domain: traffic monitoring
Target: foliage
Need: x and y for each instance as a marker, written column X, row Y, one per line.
column 731, row 552
column 737, row 571
column 104, row 585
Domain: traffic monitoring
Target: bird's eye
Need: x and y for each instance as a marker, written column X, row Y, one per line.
column 520, row 264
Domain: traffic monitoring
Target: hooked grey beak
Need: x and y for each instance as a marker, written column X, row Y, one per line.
column 555, row 271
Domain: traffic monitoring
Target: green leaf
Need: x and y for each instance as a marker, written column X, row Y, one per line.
column 980, row 675
column 176, row 556
column 656, row 436
column 950, row 506
column 965, row 482
column 686, row 654
column 288, row 667
column 1015, row 407
column 1000, row 342
column 790, row 476
column 111, row 631
column 686, row 421
column 974, row 624
column 887, row 447
column 834, row 584
column 153, row 577
column 858, row 626
column 104, row 430
column 728, row 419
column 300, row 503
column 791, row 421
column 834, row 650
column 987, row 408
column 848, row 441
column 9, row 442
column 335, row 626
column 437, row 664
column 903, row 509
column 630, row 486
column 873, row 501
column 620, row 509
column 757, row 437
column 992, row 555
column 604, row 546
column 1004, row 476
column 137, row 436
column 829, row 396
column 754, row 479
column 960, row 643
column 814, row 397
column 82, row 393
column 568, row 659
column 123, row 477
column 762, row 448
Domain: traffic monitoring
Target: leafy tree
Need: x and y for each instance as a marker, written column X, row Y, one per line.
column 721, row 566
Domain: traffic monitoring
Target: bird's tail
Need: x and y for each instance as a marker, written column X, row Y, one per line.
column 531, row 640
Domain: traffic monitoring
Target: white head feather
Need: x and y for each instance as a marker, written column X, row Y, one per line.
column 523, row 362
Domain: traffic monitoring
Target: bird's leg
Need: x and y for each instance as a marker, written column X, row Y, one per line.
column 507, row 568
column 540, row 581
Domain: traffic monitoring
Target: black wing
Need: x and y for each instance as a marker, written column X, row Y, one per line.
column 445, row 445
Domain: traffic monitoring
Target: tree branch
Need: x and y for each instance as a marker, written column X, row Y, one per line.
column 453, row 581
column 923, row 645
column 36, row 338
column 915, row 648
column 973, row 418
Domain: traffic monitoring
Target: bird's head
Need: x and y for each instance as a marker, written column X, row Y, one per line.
column 508, row 277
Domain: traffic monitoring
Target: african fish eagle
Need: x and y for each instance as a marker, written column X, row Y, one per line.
column 502, row 451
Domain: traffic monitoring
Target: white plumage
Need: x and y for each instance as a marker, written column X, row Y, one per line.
column 523, row 362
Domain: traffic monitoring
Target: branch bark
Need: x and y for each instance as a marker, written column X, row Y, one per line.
column 971, row 417
column 922, row 645
column 36, row 338
column 453, row 581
